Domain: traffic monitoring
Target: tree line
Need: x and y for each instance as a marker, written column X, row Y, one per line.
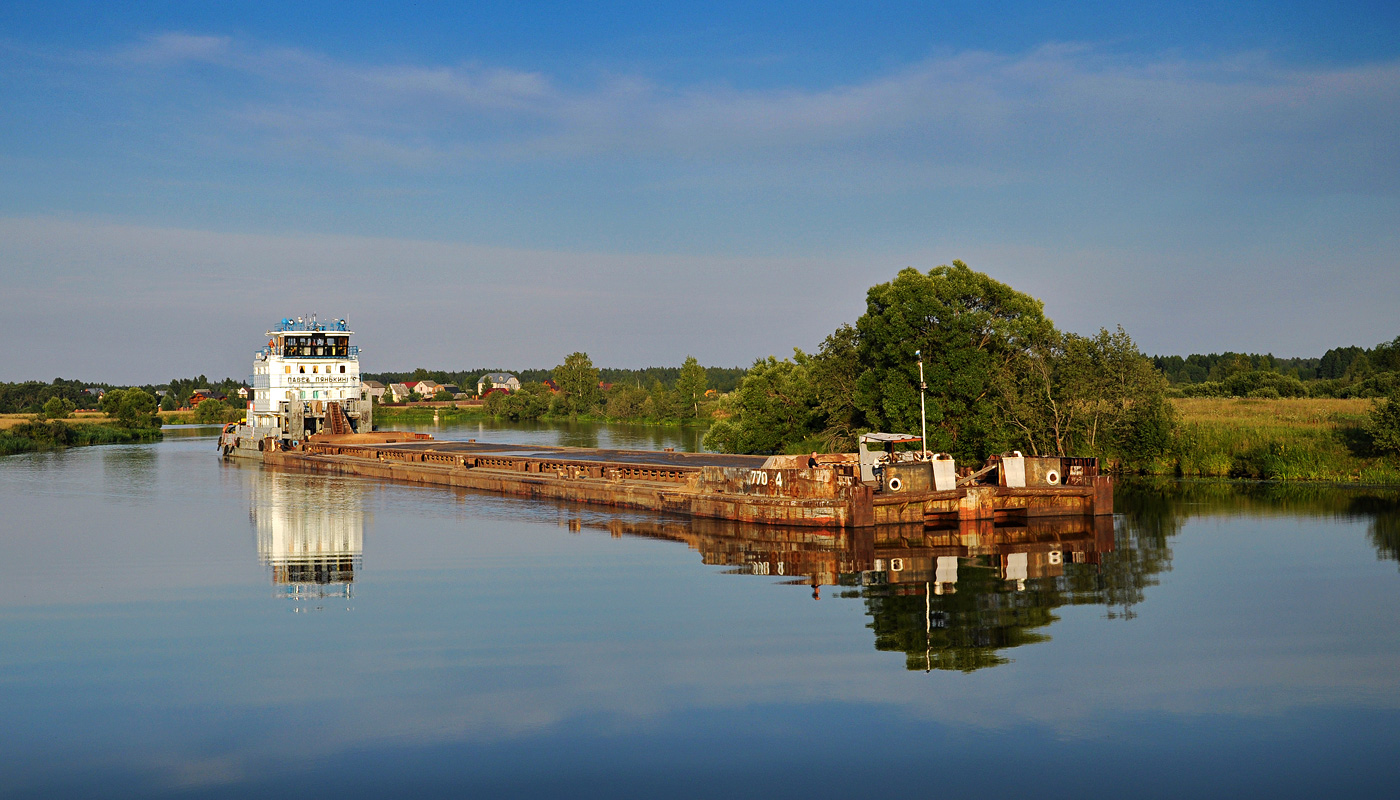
column 30, row 397
column 1340, row 372
column 721, row 379
column 581, row 393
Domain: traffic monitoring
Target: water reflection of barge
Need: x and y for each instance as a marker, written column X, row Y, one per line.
column 950, row 598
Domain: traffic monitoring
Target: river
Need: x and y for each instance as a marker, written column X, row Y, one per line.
column 175, row 625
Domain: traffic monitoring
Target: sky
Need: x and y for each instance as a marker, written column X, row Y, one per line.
column 486, row 184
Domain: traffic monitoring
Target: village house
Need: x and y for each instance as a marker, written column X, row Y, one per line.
column 398, row 392
column 373, row 390
column 499, row 380
column 426, row 389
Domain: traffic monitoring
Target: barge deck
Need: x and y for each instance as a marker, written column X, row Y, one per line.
column 779, row 490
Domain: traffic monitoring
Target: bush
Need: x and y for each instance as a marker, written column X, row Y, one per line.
column 59, row 408
column 1384, row 425
column 1204, row 389
column 1261, row 383
column 211, row 411
column 1146, row 434
column 1383, row 384
column 627, row 402
column 131, row 408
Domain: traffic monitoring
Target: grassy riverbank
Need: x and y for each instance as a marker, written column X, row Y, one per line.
column 387, row 416
column 28, row 435
column 1289, row 439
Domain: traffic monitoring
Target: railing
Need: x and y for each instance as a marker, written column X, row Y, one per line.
column 299, row 325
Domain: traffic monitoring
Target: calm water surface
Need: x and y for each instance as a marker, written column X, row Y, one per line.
column 173, row 625
column 566, row 434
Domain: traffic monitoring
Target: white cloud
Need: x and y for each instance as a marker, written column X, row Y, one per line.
column 1058, row 110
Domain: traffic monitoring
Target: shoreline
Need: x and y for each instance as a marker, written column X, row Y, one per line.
column 446, row 409
column 37, row 436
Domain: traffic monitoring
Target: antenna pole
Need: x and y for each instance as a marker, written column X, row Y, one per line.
column 923, row 416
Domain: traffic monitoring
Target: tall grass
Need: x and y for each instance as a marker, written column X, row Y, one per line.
column 1286, row 439
column 38, row 435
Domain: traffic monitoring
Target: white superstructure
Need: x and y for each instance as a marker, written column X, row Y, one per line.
column 306, row 380
column 304, row 361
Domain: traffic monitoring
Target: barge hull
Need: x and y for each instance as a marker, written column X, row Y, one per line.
column 741, row 488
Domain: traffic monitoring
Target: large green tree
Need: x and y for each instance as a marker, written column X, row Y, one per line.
column 690, row 387
column 59, row 408
column 971, row 329
column 835, row 371
column 999, row 377
column 773, row 410
column 578, row 381
column 1096, row 395
column 131, row 408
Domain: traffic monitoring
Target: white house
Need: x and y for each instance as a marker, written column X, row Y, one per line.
column 499, row 380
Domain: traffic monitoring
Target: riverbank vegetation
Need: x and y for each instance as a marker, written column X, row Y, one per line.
column 582, row 394
column 130, row 416
column 1293, row 439
column 30, row 397
column 721, row 379
column 207, row 412
column 36, row 435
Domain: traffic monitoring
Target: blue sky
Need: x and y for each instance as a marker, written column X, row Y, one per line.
column 504, row 184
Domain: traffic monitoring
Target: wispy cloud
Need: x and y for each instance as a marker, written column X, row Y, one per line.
column 970, row 116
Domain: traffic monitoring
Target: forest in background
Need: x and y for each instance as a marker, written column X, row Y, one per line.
column 1341, row 372
column 721, row 379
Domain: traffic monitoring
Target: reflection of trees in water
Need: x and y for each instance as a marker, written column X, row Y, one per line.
column 577, row 434
column 986, row 613
column 971, row 629
column 962, row 631
column 1385, row 536
column 1177, row 500
column 1146, row 521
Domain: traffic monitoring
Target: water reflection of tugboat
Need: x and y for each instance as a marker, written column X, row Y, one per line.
column 310, row 532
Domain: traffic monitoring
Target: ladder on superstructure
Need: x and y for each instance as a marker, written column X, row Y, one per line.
column 337, row 424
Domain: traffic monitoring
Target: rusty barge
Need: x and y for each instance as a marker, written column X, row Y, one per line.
column 827, row 491
column 308, row 411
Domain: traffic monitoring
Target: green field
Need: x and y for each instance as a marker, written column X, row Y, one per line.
column 1290, row 439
